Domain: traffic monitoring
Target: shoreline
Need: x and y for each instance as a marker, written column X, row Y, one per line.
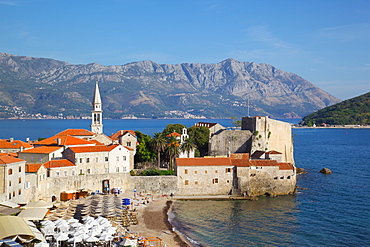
column 153, row 222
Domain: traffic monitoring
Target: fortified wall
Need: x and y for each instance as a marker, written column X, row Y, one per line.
column 270, row 134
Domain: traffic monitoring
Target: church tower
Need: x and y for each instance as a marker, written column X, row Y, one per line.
column 97, row 112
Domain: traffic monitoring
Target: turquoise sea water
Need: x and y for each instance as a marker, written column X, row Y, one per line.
column 333, row 210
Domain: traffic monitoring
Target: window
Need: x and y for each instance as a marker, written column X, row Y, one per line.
column 81, row 172
column 275, row 177
column 57, row 174
column 19, row 180
column 19, row 192
column 196, row 182
column 73, row 172
column 10, row 171
column 228, row 181
column 87, row 160
column 128, row 144
column 97, row 159
column 106, row 158
column 10, row 183
column 106, row 170
column 32, row 158
column 88, row 171
column 288, row 177
column 27, row 185
column 65, row 173
column 282, row 177
column 186, row 182
column 205, row 171
column 124, row 157
column 215, row 180
column 20, row 169
column 228, row 170
column 216, row 171
column 186, row 171
column 81, row 160
column 10, row 195
column 40, row 157
column 124, row 168
column 13, row 193
column 117, row 169
column 195, row 172
column 117, row 158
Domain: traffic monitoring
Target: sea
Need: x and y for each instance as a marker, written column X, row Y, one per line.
column 327, row 210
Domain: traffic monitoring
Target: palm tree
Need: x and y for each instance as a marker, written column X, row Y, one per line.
column 188, row 146
column 158, row 144
column 172, row 150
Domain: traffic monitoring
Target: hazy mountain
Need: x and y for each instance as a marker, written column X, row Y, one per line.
column 31, row 85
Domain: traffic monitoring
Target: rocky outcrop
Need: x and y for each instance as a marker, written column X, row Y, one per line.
column 220, row 90
column 326, row 171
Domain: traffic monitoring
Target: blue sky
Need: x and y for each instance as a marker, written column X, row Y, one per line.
column 326, row 42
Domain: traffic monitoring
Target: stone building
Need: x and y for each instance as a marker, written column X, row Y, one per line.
column 12, row 178
column 234, row 175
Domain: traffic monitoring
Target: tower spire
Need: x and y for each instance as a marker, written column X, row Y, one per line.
column 97, row 112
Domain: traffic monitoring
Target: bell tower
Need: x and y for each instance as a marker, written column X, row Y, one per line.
column 97, row 112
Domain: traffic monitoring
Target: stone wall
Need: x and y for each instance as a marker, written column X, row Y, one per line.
column 226, row 142
column 270, row 134
column 154, row 184
column 266, row 181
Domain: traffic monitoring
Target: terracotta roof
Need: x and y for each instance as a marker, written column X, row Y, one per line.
column 92, row 149
column 239, row 160
column 5, row 159
column 121, row 133
column 42, row 150
column 174, row 134
column 131, row 149
column 203, row 162
column 96, row 142
column 273, row 152
column 58, row 163
column 33, row 167
column 76, row 132
column 65, row 140
column 4, row 143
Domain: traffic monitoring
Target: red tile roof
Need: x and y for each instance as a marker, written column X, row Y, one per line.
column 273, row 152
column 4, row 143
column 42, row 150
column 64, row 140
column 96, row 142
column 92, row 149
column 76, row 132
column 239, row 160
column 58, row 163
column 33, row 167
column 121, row 133
column 203, row 162
column 5, row 159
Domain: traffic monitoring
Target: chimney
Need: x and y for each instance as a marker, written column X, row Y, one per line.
column 59, row 141
column 27, row 139
column 11, row 139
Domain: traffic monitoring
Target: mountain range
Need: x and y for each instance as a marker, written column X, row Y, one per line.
column 32, row 86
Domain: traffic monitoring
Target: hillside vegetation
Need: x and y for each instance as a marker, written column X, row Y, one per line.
column 352, row 111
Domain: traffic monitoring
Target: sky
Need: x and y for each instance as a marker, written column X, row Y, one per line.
column 327, row 42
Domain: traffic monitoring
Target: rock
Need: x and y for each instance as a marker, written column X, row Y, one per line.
column 326, row 171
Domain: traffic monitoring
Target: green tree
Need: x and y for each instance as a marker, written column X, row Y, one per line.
column 170, row 128
column 187, row 146
column 158, row 145
column 143, row 151
column 200, row 136
column 172, row 151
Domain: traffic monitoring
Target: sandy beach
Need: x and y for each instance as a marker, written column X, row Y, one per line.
column 153, row 222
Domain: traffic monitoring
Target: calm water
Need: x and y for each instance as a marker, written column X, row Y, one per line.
column 332, row 211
